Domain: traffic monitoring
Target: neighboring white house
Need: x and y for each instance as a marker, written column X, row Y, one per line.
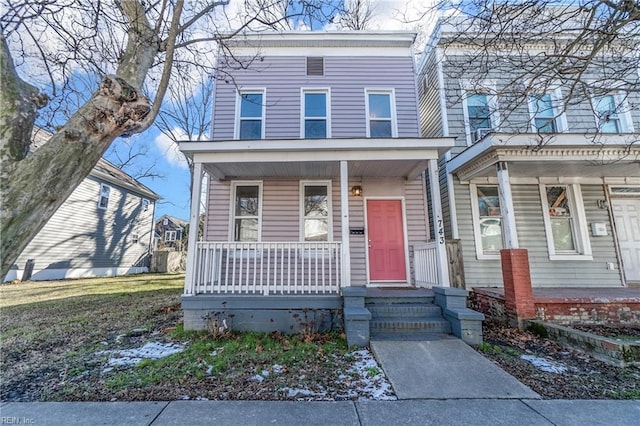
column 529, row 170
column 104, row 228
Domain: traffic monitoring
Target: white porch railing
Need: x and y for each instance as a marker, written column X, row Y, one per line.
column 266, row 268
column 425, row 264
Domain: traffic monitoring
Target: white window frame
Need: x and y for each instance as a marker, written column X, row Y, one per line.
column 327, row 183
column 559, row 116
column 392, row 99
column 487, row 88
column 475, row 214
column 145, row 204
column 579, row 228
column 263, row 118
column 621, row 104
column 232, row 205
column 327, row 118
column 170, row 236
column 101, row 196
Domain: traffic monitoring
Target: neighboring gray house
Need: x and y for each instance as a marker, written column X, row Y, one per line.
column 563, row 183
column 104, row 228
column 317, row 179
column 170, row 232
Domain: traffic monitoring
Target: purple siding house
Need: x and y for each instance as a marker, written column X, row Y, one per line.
column 317, row 184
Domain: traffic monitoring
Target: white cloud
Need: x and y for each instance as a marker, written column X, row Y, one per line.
column 170, row 149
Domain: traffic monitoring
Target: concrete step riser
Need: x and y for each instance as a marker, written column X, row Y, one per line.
column 399, row 300
column 427, row 326
column 417, row 311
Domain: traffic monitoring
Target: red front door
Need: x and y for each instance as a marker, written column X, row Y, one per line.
column 386, row 241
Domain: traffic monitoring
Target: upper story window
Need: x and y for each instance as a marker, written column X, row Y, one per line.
column 316, row 210
column 315, row 111
column 565, row 222
column 381, row 120
column 479, row 115
column 145, row 204
column 247, row 209
column 543, row 115
column 612, row 115
column 103, row 199
column 170, row 235
column 487, row 217
column 250, row 115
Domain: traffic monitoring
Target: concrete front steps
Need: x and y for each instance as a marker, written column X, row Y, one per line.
column 405, row 314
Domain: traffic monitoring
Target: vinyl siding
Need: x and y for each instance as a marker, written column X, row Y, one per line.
column 531, row 236
column 346, row 77
column 429, row 95
column 79, row 235
column 281, row 214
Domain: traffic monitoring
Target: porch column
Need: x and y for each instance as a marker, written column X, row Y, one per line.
column 344, row 214
column 438, row 225
column 194, row 221
column 506, row 206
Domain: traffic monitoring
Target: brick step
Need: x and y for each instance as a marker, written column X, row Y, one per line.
column 405, row 310
column 410, row 324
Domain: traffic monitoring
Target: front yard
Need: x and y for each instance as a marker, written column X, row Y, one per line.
column 85, row 340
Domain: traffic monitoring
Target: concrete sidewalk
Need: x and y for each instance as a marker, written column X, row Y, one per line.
column 246, row 413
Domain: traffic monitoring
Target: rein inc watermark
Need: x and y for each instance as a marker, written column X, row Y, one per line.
column 17, row 421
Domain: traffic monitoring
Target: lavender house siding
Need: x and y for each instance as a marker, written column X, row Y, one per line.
column 284, row 77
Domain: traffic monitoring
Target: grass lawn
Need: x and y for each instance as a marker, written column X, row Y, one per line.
column 56, row 337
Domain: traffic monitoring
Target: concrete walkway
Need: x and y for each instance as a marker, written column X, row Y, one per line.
column 446, row 368
column 247, row 413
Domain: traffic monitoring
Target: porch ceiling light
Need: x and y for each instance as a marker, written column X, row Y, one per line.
column 356, row 191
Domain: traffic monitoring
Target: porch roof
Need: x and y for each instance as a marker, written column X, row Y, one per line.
column 317, row 158
column 557, row 155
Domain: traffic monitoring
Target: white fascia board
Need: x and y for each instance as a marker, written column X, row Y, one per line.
column 383, row 51
column 524, row 140
column 352, row 37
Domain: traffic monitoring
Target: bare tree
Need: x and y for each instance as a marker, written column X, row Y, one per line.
column 356, row 15
column 587, row 47
column 105, row 67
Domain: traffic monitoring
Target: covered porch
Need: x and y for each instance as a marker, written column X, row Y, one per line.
column 273, row 266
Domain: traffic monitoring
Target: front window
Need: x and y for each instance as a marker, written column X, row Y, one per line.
column 489, row 227
column 565, row 222
column 380, row 115
column 316, row 211
column 315, row 115
column 544, row 120
column 170, row 235
column 251, row 115
column 103, row 199
column 607, row 114
column 246, row 212
column 479, row 115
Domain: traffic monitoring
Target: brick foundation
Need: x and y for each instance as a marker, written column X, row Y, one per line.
column 518, row 295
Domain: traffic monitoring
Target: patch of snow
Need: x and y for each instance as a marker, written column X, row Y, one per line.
column 303, row 393
column 372, row 382
column 257, row 378
column 264, row 373
column 131, row 357
column 209, row 370
column 277, row 368
column 545, row 364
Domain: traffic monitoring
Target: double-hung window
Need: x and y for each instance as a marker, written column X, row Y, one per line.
column 565, row 222
column 246, row 213
column 479, row 109
column 103, row 199
column 610, row 117
column 315, row 114
column 487, row 217
column 250, row 115
column 316, row 210
column 543, row 116
column 381, row 120
column 170, row 235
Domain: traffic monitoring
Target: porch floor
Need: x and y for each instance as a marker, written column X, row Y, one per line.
column 573, row 294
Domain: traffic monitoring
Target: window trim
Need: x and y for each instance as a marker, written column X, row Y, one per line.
column 624, row 115
column 327, row 117
column 487, row 88
column 475, row 214
column 238, row 119
column 107, row 197
column 392, row 99
column 302, row 185
column 170, row 233
column 145, row 202
column 559, row 116
column 232, row 204
column 580, row 231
